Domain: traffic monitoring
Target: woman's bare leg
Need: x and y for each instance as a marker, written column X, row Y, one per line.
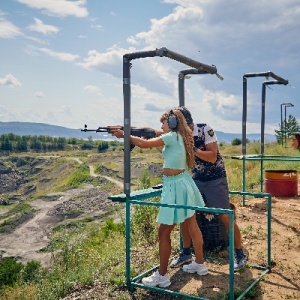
column 197, row 238
column 164, row 232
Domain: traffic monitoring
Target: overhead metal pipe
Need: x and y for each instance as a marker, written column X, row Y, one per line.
column 267, row 74
column 173, row 55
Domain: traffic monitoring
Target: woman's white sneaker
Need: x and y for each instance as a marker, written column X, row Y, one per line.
column 193, row 267
column 157, row 280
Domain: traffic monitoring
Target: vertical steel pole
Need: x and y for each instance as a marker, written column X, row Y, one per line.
column 281, row 127
column 231, row 255
column 262, row 133
column 285, row 126
column 127, row 171
column 269, row 228
column 127, row 118
column 263, row 116
column 181, row 88
column 244, row 134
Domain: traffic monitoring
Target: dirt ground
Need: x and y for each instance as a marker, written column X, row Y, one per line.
column 283, row 282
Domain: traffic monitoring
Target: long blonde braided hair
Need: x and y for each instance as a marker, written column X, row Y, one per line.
column 185, row 131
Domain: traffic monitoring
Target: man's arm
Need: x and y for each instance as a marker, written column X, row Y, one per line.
column 209, row 154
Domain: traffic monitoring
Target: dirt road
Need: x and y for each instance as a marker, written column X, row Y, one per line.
column 27, row 240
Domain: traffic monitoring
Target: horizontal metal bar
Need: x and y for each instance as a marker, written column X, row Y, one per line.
column 267, row 74
column 173, row 55
column 252, row 285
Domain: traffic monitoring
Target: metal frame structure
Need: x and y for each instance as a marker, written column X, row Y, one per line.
column 138, row 197
column 244, row 157
column 127, row 58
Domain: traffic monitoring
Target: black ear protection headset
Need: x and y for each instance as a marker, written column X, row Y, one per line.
column 172, row 120
column 186, row 114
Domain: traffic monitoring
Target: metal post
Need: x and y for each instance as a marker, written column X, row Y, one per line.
column 263, row 116
column 285, row 106
column 281, row 127
column 278, row 80
column 285, row 126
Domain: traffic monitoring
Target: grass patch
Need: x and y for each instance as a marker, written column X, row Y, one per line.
column 81, row 252
column 79, row 176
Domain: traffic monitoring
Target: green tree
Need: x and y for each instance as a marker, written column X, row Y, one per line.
column 288, row 127
column 6, row 144
column 61, row 143
column 236, row 142
column 21, row 146
column 102, row 146
column 35, row 144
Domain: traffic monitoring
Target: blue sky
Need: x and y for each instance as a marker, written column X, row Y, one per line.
column 61, row 61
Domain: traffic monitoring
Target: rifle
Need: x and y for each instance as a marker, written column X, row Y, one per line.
column 146, row 133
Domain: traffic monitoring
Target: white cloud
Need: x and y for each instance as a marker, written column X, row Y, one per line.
column 146, row 71
column 10, row 80
column 61, row 8
column 220, row 103
column 36, row 40
column 8, row 30
column 39, row 26
column 97, row 27
column 238, row 37
column 93, row 89
column 39, row 94
column 66, row 110
column 63, row 56
column 109, row 62
column 6, row 114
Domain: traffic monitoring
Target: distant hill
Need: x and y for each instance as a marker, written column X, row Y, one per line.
column 27, row 128
column 228, row 137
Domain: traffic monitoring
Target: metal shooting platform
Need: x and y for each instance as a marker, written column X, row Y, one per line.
column 139, row 197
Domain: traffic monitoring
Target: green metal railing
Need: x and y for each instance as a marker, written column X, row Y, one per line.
column 139, row 197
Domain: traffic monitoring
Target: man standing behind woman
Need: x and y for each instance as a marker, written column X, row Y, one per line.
column 210, row 177
column 178, row 188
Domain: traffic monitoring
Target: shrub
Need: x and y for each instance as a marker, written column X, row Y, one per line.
column 102, row 146
column 236, row 142
column 143, row 220
column 110, row 226
column 31, row 270
column 9, row 271
column 79, row 176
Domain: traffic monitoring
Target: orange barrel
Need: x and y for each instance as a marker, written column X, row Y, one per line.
column 281, row 183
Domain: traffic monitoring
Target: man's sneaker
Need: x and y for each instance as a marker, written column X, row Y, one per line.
column 193, row 267
column 180, row 260
column 240, row 262
column 156, row 280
